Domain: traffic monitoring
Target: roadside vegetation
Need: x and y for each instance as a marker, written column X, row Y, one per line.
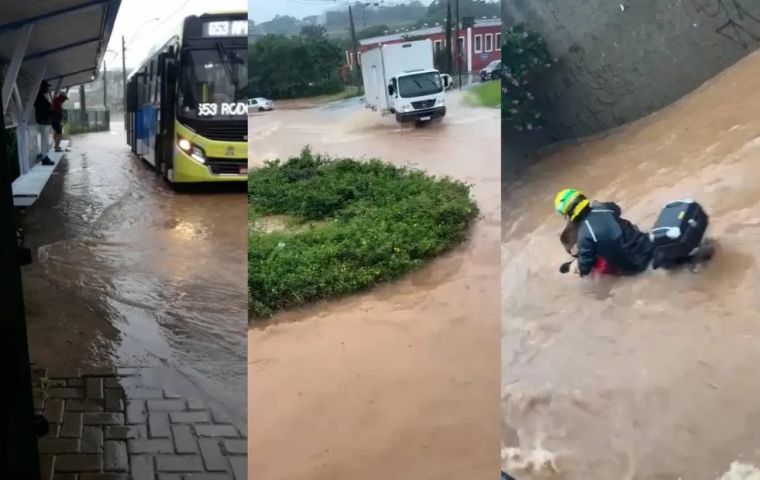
column 375, row 18
column 486, row 94
column 282, row 67
column 350, row 225
column 525, row 56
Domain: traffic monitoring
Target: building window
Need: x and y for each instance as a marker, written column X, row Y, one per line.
column 437, row 45
column 478, row 43
column 489, row 42
column 498, row 42
column 460, row 45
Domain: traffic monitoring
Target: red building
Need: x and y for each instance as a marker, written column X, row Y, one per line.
column 480, row 44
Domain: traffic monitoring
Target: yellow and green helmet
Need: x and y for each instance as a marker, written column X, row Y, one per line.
column 570, row 203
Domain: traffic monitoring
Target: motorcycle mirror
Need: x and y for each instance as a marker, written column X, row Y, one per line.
column 565, row 267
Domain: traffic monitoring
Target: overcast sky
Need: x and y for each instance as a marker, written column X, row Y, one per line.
column 136, row 22
column 265, row 10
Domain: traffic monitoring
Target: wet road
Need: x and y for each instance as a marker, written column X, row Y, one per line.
column 653, row 377
column 401, row 381
column 128, row 271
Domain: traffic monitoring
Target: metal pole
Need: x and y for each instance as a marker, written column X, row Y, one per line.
column 448, row 37
column 19, row 456
column 105, row 85
column 459, row 48
column 124, row 72
column 357, row 72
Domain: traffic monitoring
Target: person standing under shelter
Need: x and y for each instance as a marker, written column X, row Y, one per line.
column 57, row 119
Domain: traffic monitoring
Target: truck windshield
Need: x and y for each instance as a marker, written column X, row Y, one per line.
column 213, row 83
column 420, row 84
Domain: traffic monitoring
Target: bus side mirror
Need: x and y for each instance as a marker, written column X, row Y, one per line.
column 391, row 90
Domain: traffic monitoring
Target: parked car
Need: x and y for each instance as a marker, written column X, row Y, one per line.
column 492, row 71
column 260, row 104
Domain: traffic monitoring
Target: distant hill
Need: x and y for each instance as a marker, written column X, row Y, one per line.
column 372, row 20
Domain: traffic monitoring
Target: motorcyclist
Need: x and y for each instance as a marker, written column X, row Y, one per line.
column 600, row 231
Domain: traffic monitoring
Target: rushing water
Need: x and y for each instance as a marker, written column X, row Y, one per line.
column 129, row 271
column 652, row 377
column 399, row 382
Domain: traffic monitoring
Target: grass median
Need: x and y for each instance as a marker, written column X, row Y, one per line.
column 324, row 227
column 486, row 94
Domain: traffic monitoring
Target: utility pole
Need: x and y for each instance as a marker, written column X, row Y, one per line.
column 459, row 49
column 82, row 105
column 357, row 71
column 105, row 85
column 124, row 72
column 448, row 37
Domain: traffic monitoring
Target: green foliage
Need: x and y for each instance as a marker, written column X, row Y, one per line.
column 279, row 25
column 313, row 31
column 369, row 15
column 375, row 222
column 436, row 11
column 524, row 56
column 373, row 31
column 487, row 94
column 290, row 67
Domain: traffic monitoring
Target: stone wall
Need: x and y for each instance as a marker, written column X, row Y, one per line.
column 623, row 59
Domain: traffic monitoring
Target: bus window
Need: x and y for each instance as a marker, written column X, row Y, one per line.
column 214, row 78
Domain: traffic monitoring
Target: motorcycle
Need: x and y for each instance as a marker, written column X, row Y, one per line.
column 677, row 239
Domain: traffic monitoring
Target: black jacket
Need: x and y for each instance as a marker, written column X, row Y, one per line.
column 604, row 233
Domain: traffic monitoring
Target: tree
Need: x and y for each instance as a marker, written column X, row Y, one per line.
column 373, row 31
column 288, row 67
column 524, row 57
column 280, row 25
column 313, row 31
column 436, row 11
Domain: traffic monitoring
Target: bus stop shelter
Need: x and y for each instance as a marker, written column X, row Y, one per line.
column 62, row 42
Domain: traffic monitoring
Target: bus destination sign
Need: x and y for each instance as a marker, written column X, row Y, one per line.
column 226, row 28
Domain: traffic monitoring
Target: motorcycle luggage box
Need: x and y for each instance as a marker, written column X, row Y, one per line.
column 678, row 232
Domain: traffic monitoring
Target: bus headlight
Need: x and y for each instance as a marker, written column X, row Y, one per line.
column 184, row 144
column 195, row 152
column 198, row 154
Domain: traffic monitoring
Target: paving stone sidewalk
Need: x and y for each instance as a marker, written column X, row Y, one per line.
column 118, row 424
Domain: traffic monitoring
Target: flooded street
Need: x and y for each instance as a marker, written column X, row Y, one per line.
column 399, row 382
column 129, row 272
column 652, row 377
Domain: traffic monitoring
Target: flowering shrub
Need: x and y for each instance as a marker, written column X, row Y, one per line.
column 524, row 55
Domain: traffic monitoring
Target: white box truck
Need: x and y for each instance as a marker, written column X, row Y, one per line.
column 401, row 79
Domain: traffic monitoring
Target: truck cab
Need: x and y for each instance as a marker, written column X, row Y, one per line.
column 418, row 96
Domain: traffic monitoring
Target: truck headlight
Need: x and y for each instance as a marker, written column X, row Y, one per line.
column 406, row 108
column 439, row 102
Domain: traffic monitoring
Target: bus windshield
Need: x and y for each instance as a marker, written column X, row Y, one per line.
column 213, row 83
column 420, row 84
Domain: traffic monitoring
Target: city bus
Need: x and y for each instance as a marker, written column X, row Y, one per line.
column 187, row 112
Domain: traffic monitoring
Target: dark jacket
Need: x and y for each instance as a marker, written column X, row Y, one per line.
column 602, row 232
column 43, row 111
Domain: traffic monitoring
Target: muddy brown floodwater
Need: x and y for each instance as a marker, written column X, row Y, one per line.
column 129, row 272
column 652, row 377
column 400, row 382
